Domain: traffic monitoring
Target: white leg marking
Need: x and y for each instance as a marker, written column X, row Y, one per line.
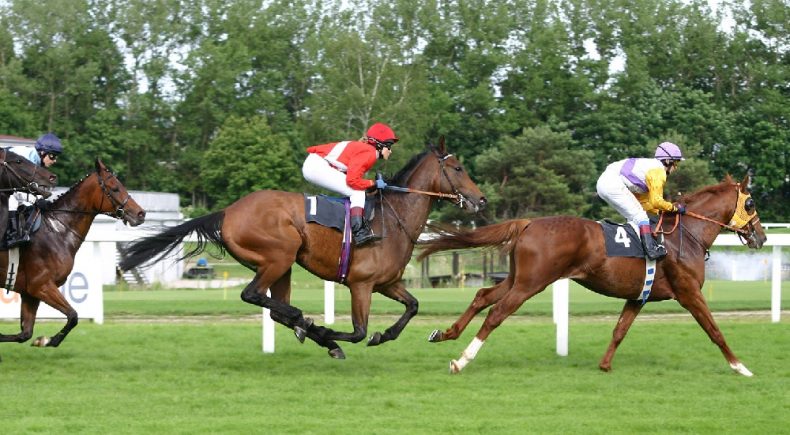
column 468, row 355
column 741, row 369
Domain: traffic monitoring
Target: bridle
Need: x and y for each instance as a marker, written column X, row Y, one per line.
column 741, row 218
column 31, row 186
column 120, row 206
column 460, row 198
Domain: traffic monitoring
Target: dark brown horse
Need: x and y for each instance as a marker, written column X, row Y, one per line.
column 20, row 174
column 546, row 249
column 266, row 231
column 45, row 262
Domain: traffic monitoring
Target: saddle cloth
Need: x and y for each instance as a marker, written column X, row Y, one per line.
column 622, row 240
column 330, row 211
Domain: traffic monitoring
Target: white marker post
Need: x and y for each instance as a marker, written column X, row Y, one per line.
column 268, row 329
column 329, row 302
column 560, row 291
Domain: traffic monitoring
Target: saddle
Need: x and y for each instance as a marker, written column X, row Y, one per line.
column 330, row 211
column 622, row 240
column 22, row 224
column 334, row 212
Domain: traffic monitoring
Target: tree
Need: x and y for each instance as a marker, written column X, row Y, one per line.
column 246, row 156
column 535, row 174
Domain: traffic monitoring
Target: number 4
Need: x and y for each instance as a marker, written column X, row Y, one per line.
column 622, row 237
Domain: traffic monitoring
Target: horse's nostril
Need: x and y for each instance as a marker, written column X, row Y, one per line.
column 483, row 201
column 53, row 178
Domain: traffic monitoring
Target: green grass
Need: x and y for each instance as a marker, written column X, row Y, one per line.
column 211, row 377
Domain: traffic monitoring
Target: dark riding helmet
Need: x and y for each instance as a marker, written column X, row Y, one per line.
column 381, row 135
column 49, row 143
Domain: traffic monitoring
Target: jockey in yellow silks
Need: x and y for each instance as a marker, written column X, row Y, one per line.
column 635, row 187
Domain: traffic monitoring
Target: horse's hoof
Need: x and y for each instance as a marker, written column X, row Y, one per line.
column 40, row 341
column 606, row 369
column 435, row 337
column 454, row 367
column 337, row 353
column 301, row 331
column 741, row 369
column 375, row 339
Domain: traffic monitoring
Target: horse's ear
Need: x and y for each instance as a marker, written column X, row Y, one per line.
column 442, row 149
column 746, row 183
column 99, row 165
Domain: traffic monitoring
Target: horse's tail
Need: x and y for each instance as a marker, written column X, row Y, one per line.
column 151, row 249
column 503, row 235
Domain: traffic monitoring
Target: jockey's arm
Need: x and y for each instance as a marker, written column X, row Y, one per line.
column 653, row 200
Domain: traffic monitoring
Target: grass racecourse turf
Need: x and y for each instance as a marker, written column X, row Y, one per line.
column 190, row 361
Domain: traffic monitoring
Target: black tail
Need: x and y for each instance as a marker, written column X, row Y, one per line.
column 151, row 249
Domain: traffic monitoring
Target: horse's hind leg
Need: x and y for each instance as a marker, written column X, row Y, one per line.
column 399, row 293
column 627, row 316
column 695, row 304
column 281, row 312
column 506, row 306
column 27, row 320
column 484, row 298
column 50, row 295
column 303, row 327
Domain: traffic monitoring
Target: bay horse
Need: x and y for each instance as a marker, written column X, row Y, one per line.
column 47, row 260
column 546, row 249
column 266, row 231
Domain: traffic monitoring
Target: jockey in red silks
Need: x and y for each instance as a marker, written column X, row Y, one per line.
column 341, row 166
column 636, row 186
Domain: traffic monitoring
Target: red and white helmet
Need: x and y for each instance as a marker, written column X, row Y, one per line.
column 381, row 135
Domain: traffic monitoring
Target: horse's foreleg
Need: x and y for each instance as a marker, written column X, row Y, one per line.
column 399, row 293
column 27, row 319
column 695, row 304
column 484, row 298
column 627, row 316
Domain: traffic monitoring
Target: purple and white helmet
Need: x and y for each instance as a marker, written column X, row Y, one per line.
column 668, row 151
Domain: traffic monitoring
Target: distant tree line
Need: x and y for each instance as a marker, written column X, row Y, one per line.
column 213, row 99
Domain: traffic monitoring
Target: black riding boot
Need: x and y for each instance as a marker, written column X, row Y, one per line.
column 653, row 249
column 361, row 232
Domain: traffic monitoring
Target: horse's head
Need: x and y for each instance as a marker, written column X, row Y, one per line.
column 456, row 181
column 19, row 173
column 121, row 205
column 745, row 216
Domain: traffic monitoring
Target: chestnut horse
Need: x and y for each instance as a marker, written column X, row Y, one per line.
column 266, row 231
column 546, row 249
column 46, row 262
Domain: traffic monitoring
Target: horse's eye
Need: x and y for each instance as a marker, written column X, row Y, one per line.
column 749, row 205
column 459, row 169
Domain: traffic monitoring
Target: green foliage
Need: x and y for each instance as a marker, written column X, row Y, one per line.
column 536, row 173
column 150, row 85
column 244, row 157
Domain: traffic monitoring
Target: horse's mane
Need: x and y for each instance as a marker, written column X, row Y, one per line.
column 55, row 203
column 714, row 189
column 400, row 178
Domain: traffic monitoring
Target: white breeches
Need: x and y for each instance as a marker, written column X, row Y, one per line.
column 612, row 189
column 317, row 171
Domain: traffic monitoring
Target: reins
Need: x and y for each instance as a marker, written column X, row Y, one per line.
column 741, row 231
column 457, row 196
